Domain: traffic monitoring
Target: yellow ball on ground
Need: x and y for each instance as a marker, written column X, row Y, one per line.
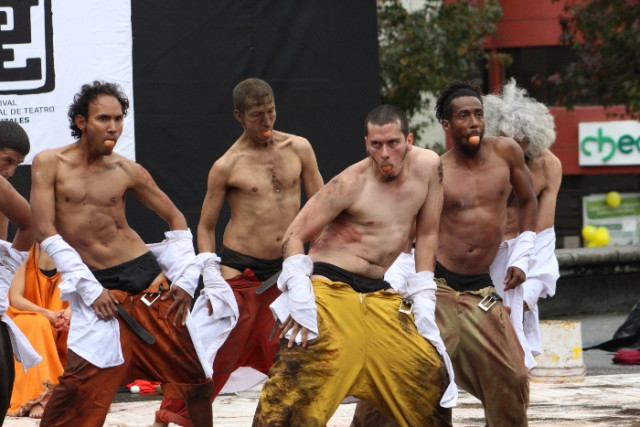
column 601, row 236
column 588, row 231
column 613, row 199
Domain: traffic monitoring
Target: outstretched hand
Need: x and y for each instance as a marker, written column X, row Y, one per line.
column 105, row 305
column 295, row 327
column 181, row 304
column 515, row 277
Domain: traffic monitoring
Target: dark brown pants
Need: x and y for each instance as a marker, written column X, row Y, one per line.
column 85, row 392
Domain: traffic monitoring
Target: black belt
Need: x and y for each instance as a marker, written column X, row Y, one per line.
column 268, row 283
column 137, row 327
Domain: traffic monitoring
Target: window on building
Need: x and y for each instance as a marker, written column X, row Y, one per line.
column 537, row 68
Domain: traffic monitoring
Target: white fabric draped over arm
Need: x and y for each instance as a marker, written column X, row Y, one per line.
column 94, row 339
column 298, row 298
column 214, row 329
column 421, row 289
column 175, row 254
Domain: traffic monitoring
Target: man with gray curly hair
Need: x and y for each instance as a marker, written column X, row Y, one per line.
column 514, row 114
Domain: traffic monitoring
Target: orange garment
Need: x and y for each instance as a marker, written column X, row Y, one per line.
column 34, row 386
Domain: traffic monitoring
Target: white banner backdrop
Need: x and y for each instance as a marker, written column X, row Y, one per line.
column 48, row 50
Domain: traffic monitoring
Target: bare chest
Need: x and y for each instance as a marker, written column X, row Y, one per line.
column 470, row 189
column 100, row 187
column 382, row 206
column 269, row 173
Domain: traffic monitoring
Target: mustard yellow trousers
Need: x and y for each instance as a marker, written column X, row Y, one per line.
column 366, row 348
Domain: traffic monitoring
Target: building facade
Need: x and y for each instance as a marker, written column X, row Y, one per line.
column 600, row 152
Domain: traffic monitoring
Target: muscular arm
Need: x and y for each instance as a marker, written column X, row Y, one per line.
column 528, row 207
column 149, row 194
column 427, row 222
column 213, row 201
column 319, row 211
column 43, row 175
column 548, row 197
column 311, row 178
column 523, row 187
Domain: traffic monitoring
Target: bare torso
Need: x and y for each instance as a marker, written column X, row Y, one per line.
column 263, row 191
column 262, row 183
column 474, row 210
column 89, row 207
column 371, row 232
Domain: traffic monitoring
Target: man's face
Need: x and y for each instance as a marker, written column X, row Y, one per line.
column 467, row 119
column 258, row 118
column 104, row 121
column 9, row 161
column 387, row 147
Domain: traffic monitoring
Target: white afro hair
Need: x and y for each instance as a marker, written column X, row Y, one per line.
column 516, row 115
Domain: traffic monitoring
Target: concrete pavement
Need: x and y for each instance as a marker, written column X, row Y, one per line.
column 600, row 400
column 608, row 396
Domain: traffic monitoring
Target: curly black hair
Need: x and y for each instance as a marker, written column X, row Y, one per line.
column 88, row 93
column 452, row 91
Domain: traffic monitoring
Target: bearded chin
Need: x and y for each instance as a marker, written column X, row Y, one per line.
column 470, row 149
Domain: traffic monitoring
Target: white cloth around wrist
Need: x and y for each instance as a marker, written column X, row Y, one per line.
column 523, row 253
column 299, row 264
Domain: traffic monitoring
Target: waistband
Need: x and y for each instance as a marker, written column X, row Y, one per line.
column 463, row 282
column 263, row 269
column 358, row 282
column 132, row 276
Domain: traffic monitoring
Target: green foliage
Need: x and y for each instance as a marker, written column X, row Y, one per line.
column 604, row 36
column 422, row 51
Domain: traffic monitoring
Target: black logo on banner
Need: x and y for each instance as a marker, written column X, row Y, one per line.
column 26, row 47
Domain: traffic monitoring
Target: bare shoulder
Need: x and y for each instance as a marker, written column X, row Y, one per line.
column 551, row 165
column 50, row 157
column 425, row 155
column 115, row 159
column 350, row 180
column 551, row 161
column 300, row 145
column 46, row 157
column 135, row 171
column 225, row 163
column 505, row 147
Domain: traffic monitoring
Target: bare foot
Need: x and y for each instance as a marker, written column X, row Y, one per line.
column 36, row 411
column 160, row 424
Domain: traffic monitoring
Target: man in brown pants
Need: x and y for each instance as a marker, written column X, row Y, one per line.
column 108, row 273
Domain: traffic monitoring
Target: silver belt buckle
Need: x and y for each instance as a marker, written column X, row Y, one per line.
column 488, row 301
column 405, row 303
column 147, row 302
